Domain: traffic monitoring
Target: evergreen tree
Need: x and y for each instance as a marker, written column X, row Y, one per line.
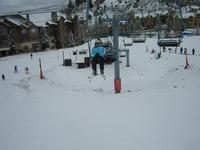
column 70, row 6
column 90, row 3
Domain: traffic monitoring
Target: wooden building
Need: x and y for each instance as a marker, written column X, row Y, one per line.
column 18, row 34
column 63, row 31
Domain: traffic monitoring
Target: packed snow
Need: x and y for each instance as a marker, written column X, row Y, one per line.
column 157, row 109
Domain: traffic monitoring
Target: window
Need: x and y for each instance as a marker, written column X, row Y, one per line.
column 33, row 30
column 24, row 31
column 3, row 30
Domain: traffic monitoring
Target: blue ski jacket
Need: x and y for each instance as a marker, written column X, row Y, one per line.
column 98, row 50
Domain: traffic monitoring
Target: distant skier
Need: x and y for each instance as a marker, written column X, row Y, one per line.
column 26, row 70
column 193, row 51
column 3, row 77
column 15, row 69
column 181, row 50
column 97, row 54
column 175, row 50
column 158, row 55
column 185, row 51
column 153, row 51
column 164, row 49
column 31, row 55
column 169, row 49
column 147, row 49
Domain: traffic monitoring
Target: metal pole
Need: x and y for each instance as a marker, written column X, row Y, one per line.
column 63, row 54
column 159, row 26
column 41, row 74
column 127, row 58
column 87, row 11
column 117, row 80
column 87, row 18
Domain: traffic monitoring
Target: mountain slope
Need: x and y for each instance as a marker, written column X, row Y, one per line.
column 158, row 107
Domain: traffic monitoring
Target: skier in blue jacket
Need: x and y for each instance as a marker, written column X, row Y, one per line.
column 97, row 54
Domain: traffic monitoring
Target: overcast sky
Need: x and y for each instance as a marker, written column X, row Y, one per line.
column 10, row 6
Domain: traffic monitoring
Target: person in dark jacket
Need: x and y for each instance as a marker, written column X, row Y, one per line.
column 193, row 51
column 185, row 51
column 15, row 69
column 3, row 77
column 97, row 54
column 26, row 70
column 181, row 50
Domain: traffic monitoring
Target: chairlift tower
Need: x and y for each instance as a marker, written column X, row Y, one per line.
column 87, row 20
column 117, row 80
column 114, row 21
column 115, row 28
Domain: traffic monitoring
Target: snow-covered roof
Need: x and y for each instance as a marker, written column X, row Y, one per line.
column 187, row 15
column 152, row 13
column 67, row 21
column 18, row 20
column 192, row 7
column 2, row 21
column 51, row 22
column 61, row 15
column 41, row 19
column 14, row 20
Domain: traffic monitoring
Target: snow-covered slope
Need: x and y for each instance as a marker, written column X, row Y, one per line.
column 158, row 107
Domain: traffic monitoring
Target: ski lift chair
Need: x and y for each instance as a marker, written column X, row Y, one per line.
column 109, row 57
column 128, row 43
column 139, row 38
column 106, row 44
column 170, row 40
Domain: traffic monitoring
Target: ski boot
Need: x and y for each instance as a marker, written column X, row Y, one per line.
column 94, row 72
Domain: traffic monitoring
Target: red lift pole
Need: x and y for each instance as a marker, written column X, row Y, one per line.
column 41, row 75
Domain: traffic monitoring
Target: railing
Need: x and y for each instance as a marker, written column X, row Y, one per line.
column 4, row 43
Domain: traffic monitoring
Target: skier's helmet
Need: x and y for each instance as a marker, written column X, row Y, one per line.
column 97, row 43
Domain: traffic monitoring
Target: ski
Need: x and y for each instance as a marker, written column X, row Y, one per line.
column 93, row 76
column 104, row 77
column 90, row 78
